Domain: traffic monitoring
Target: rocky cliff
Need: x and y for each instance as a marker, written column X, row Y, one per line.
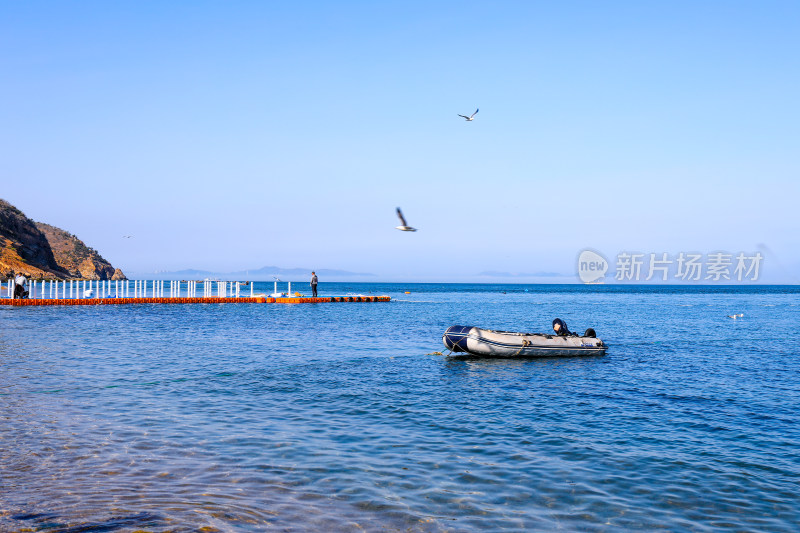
column 75, row 257
column 43, row 251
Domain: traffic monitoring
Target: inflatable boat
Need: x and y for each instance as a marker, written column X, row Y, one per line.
column 477, row 341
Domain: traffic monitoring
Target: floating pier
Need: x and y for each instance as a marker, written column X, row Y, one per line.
column 86, row 292
column 209, row 300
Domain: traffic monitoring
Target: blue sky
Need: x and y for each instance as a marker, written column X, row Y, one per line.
column 228, row 136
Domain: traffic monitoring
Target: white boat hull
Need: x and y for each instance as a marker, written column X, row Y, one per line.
column 486, row 342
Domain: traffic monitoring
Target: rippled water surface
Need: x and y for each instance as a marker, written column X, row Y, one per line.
column 335, row 417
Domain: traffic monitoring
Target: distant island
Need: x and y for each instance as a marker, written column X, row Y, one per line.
column 266, row 273
column 42, row 251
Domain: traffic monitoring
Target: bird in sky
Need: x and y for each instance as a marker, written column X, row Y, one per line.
column 127, row 236
column 403, row 225
column 471, row 117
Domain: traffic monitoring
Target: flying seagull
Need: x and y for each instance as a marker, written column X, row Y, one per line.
column 740, row 315
column 127, row 236
column 471, row 117
column 403, row 226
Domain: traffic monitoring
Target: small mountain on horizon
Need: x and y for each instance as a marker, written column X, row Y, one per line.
column 274, row 270
column 499, row 274
column 266, row 273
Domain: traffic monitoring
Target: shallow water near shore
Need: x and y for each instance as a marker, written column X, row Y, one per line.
column 335, row 417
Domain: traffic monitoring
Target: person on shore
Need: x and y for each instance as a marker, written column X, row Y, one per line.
column 20, row 286
column 560, row 327
column 314, row 281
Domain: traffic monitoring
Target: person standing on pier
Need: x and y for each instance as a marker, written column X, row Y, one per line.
column 314, row 281
column 20, row 290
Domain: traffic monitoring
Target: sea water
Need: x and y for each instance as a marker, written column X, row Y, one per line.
column 340, row 416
